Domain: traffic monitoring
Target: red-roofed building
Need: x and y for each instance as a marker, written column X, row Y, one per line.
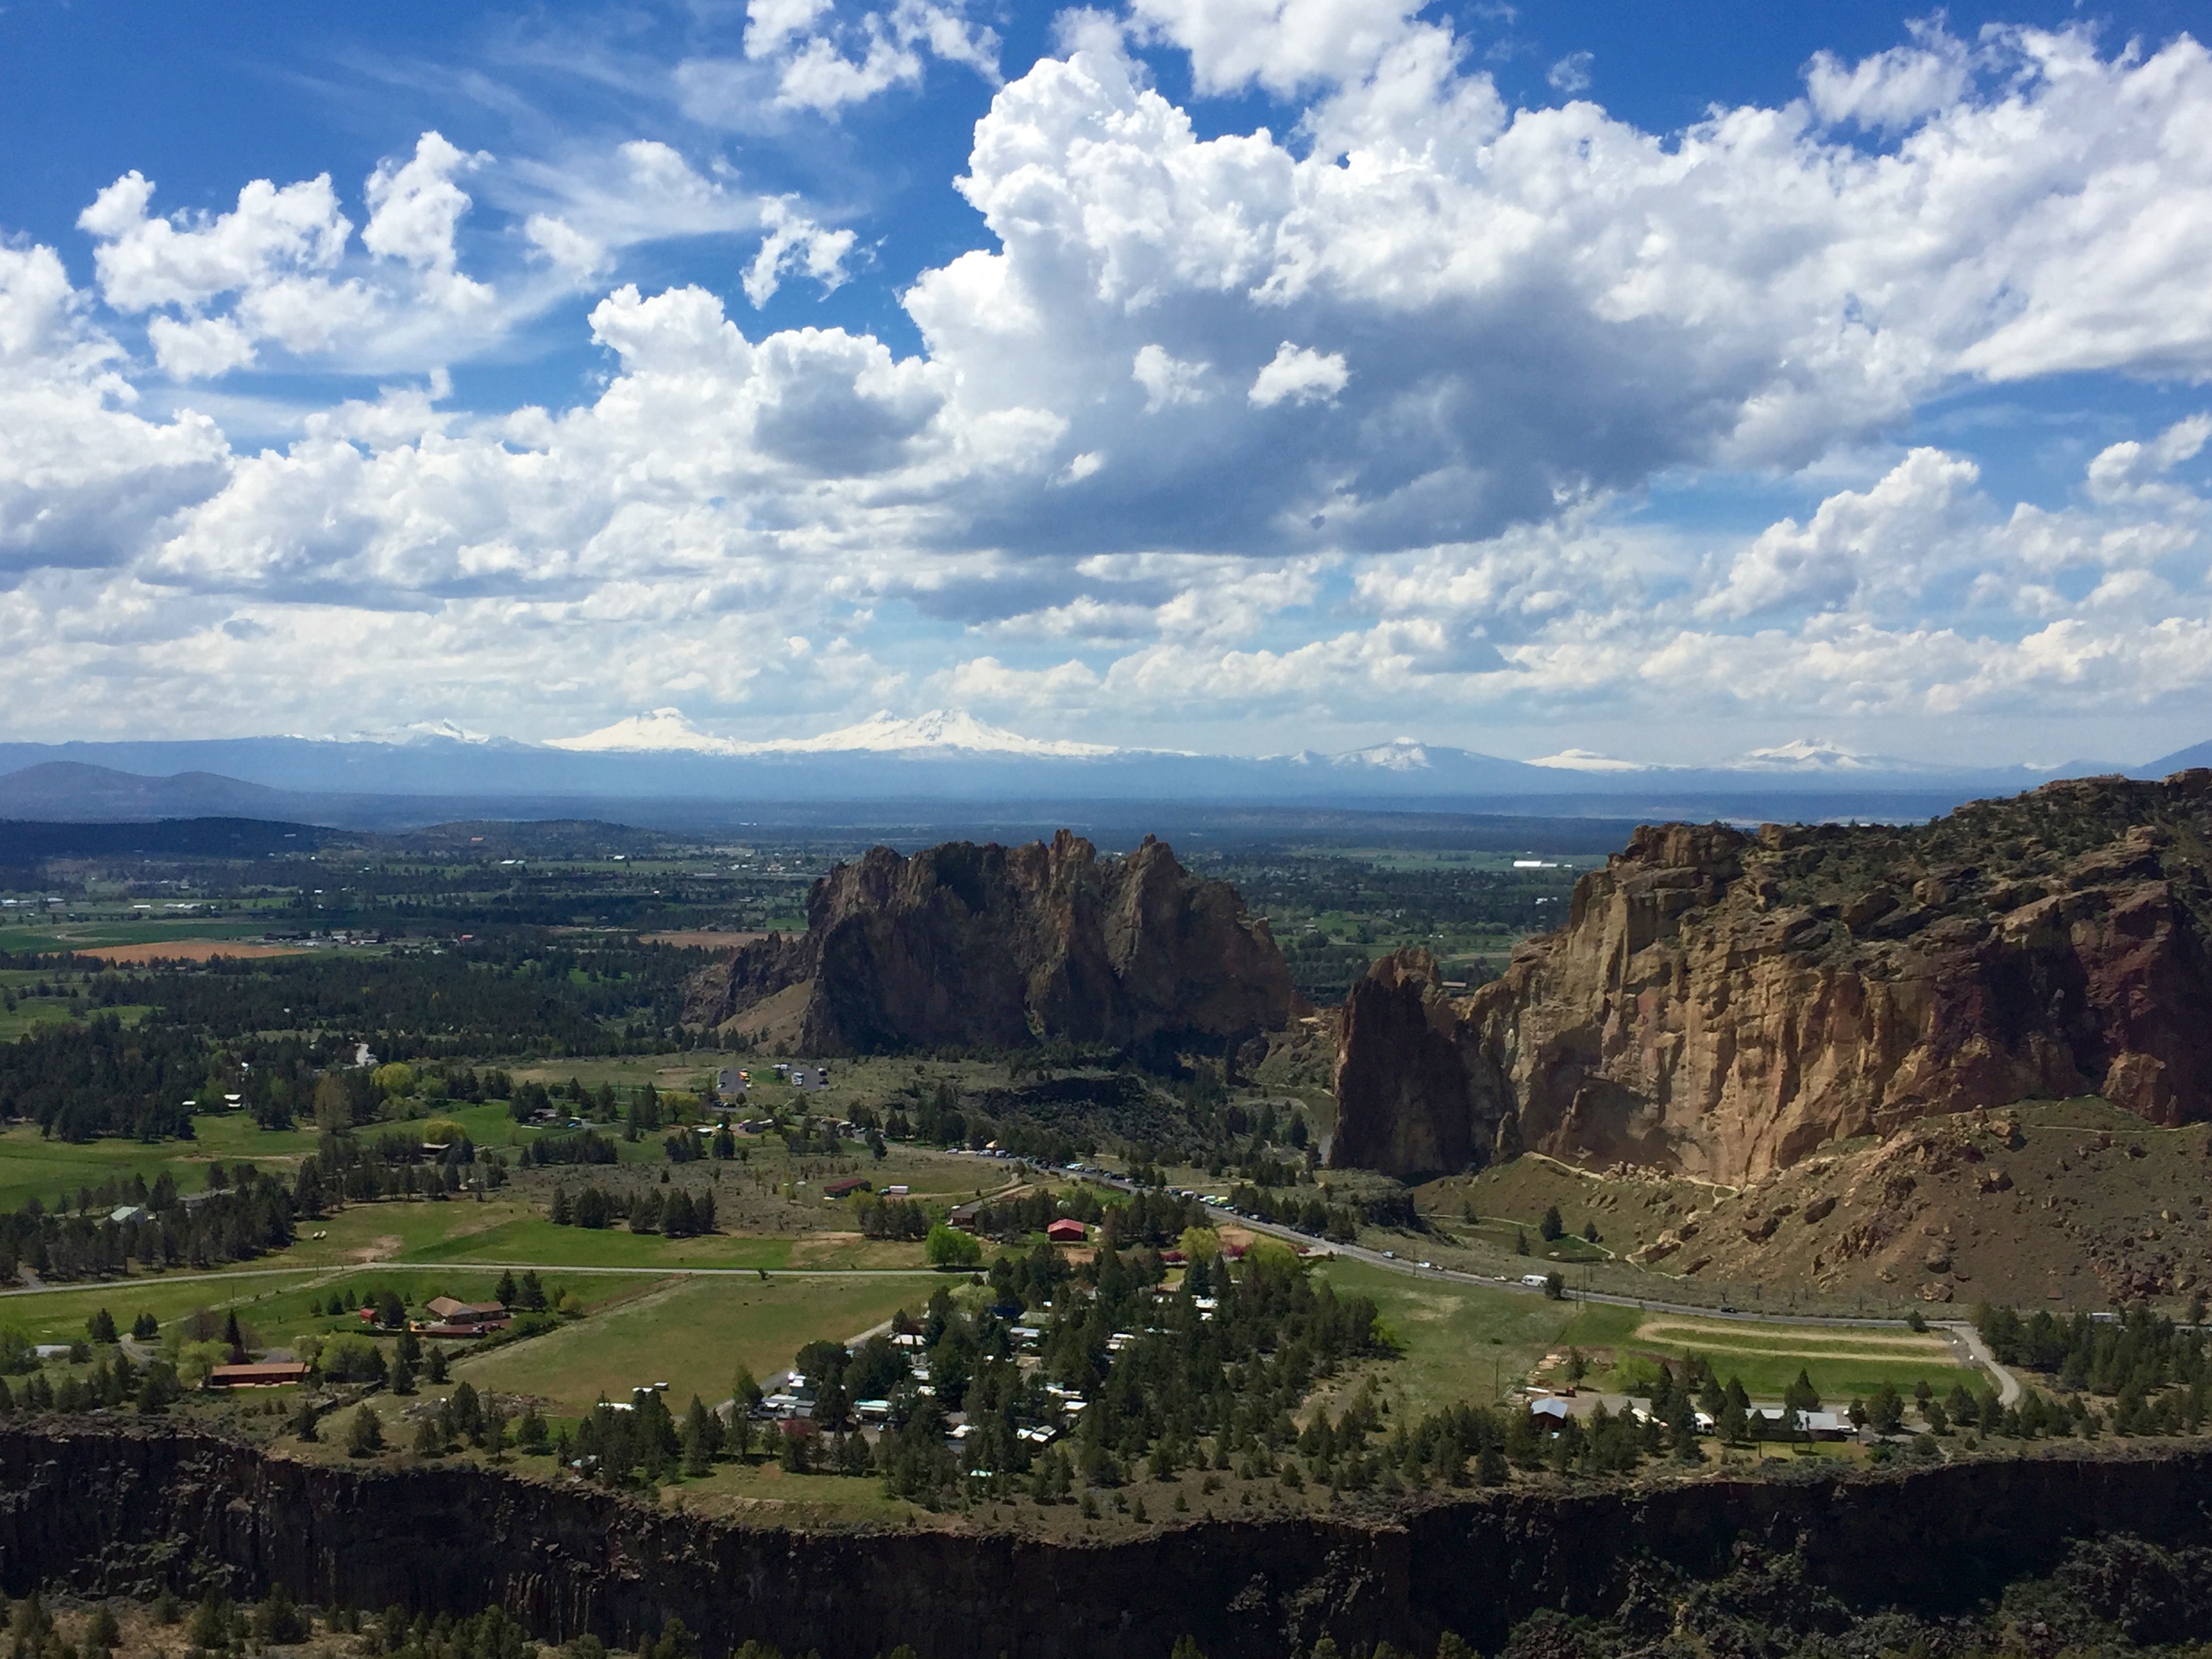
column 1067, row 1230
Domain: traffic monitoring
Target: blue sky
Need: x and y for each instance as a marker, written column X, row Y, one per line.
column 1249, row 375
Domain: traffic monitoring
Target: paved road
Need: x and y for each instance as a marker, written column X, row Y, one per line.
column 1962, row 1336
column 1964, row 1339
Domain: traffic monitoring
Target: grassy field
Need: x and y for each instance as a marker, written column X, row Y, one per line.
column 33, row 1166
column 276, row 1305
column 1841, row 1361
column 1502, row 1233
column 530, row 1237
column 70, row 935
column 692, row 1334
column 1461, row 1342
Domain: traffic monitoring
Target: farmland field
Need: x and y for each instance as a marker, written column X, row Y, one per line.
column 693, row 1333
column 1460, row 1342
column 1842, row 1361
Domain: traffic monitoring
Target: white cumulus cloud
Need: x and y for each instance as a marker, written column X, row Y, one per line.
column 1299, row 374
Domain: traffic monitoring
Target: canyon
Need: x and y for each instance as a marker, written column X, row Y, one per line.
column 130, row 1508
column 1720, row 1003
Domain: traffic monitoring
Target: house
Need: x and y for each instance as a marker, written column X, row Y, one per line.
column 272, row 1376
column 1817, row 1425
column 1583, row 1405
column 452, row 1316
column 124, row 1214
column 846, row 1186
column 964, row 1217
column 1067, row 1231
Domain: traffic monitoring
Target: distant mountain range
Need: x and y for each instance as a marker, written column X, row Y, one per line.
column 659, row 767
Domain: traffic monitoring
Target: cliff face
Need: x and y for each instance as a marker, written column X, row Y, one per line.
column 120, row 1508
column 996, row 946
column 1721, row 1004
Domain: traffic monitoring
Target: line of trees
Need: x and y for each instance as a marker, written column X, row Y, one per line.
column 246, row 1214
column 679, row 1214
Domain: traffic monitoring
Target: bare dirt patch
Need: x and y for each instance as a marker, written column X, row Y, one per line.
column 186, row 950
column 379, row 1248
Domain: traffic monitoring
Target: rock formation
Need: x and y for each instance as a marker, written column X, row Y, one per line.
column 114, row 1506
column 1000, row 947
column 1721, row 1004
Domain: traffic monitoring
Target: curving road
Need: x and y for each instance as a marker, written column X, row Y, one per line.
column 1964, row 1339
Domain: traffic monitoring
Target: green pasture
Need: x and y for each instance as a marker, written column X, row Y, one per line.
column 60, row 1315
column 32, row 1165
column 95, row 934
column 692, row 1334
column 1842, row 1360
column 530, row 1238
column 1460, row 1342
column 276, row 1305
column 396, row 1230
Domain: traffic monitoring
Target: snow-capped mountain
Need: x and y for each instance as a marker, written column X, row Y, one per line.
column 1802, row 754
column 1399, row 754
column 660, row 762
column 419, row 731
column 883, row 731
column 1588, row 760
column 666, row 731
column 657, row 731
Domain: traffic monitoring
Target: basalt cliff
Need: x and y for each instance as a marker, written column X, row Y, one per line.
column 1721, row 1004
column 1000, row 947
column 121, row 1509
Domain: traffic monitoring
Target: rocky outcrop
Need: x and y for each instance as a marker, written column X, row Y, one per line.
column 1721, row 1003
column 107, row 1509
column 993, row 946
column 1405, row 1102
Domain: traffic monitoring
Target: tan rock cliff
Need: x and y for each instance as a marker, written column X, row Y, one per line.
column 999, row 947
column 1721, row 1004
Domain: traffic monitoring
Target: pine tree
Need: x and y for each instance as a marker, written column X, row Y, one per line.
column 101, row 1328
column 303, row 1420
column 1733, row 1419
column 365, row 1435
